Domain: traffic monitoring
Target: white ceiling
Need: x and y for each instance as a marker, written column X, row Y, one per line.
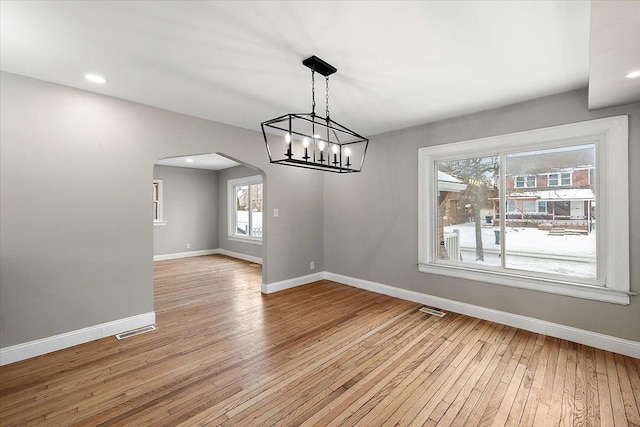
column 615, row 51
column 201, row 161
column 399, row 63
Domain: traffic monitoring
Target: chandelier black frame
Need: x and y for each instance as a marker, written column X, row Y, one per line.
column 310, row 141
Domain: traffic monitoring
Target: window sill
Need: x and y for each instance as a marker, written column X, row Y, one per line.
column 576, row 290
column 251, row 240
column 159, row 223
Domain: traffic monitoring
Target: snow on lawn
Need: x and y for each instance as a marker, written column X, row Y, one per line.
column 530, row 240
column 532, row 250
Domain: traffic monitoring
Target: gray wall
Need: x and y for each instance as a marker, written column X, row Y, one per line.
column 371, row 218
column 190, row 210
column 76, row 236
column 223, row 213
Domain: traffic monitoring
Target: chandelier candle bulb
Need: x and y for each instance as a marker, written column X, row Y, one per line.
column 347, row 152
column 287, row 139
column 305, row 144
column 321, row 148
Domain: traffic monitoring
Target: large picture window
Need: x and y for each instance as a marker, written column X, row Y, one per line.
column 541, row 210
column 245, row 208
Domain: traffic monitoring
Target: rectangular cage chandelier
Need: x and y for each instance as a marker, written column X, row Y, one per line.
column 310, row 141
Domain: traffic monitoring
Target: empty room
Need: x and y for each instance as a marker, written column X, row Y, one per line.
column 319, row 213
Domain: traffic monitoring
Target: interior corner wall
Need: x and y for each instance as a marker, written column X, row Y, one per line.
column 189, row 210
column 224, row 175
column 76, row 233
column 371, row 218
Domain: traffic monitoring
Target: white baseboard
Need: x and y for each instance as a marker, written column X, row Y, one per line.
column 35, row 348
column 208, row 252
column 185, row 254
column 605, row 342
column 292, row 283
column 581, row 336
column 240, row 256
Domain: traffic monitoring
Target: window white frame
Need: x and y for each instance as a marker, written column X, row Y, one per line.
column 543, row 204
column 559, row 179
column 157, row 198
column 525, row 181
column 231, row 205
column 610, row 136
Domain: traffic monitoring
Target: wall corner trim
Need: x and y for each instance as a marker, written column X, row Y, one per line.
column 42, row 346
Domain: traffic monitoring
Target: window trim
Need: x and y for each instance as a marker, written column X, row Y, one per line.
column 160, row 220
column 231, row 212
column 524, row 181
column 611, row 138
column 546, row 206
column 559, row 181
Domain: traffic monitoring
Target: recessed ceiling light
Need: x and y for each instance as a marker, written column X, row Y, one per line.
column 633, row 75
column 95, row 78
column 190, row 160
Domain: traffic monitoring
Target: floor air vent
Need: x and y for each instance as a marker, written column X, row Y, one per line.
column 135, row 332
column 432, row 311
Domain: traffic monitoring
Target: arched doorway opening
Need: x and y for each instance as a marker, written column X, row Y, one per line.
column 208, row 204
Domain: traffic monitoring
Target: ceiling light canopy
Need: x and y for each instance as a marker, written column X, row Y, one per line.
column 310, row 141
column 95, row 78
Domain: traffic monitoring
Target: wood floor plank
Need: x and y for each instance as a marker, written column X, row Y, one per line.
column 617, row 402
column 592, row 394
column 321, row 354
column 604, row 394
column 510, row 365
column 630, row 405
column 634, row 379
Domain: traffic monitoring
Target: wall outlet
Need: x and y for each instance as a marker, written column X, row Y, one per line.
column 188, row 245
column 275, row 213
column 312, row 266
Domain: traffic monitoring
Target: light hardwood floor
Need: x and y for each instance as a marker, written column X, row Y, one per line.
column 321, row 354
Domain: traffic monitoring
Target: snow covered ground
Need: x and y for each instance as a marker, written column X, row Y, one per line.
column 532, row 249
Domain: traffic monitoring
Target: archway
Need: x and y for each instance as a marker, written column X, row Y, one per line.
column 195, row 213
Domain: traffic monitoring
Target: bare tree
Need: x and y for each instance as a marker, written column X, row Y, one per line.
column 480, row 174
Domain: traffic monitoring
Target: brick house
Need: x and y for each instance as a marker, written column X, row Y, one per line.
column 552, row 189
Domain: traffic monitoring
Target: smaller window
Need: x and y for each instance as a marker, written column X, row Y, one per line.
column 157, row 202
column 245, row 208
column 557, row 179
column 542, row 206
column 527, row 181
